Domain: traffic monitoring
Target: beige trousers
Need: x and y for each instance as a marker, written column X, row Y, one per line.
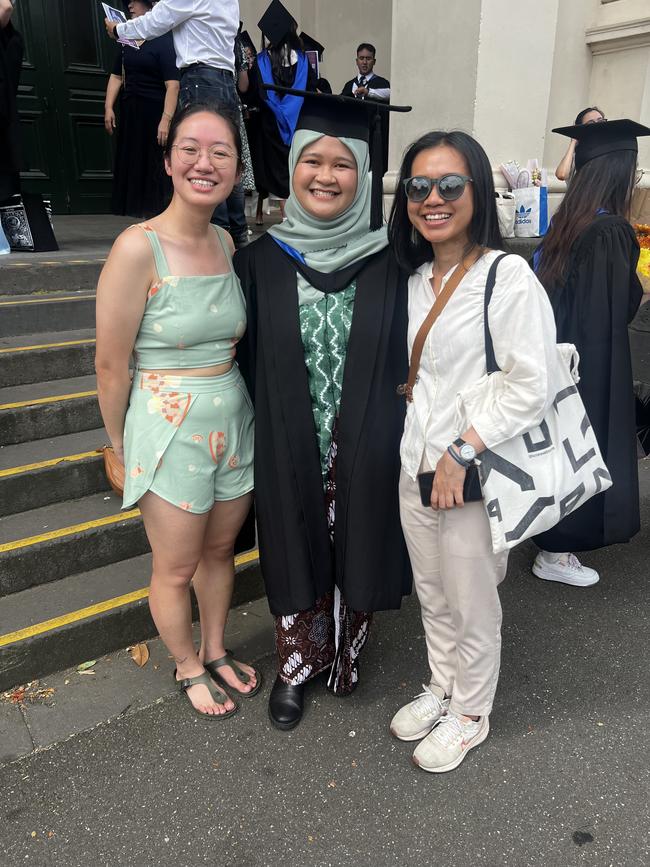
column 456, row 577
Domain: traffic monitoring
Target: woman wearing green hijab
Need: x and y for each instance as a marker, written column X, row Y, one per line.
column 324, row 353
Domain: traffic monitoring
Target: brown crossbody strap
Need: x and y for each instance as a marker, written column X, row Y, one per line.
column 420, row 338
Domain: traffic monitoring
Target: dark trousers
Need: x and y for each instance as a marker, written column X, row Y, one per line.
column 201, row 83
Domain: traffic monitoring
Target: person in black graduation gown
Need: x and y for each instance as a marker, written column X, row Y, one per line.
column 368, row 85
column 283, row 63
column 587, row 262
column 147, row 82
column 324, row 352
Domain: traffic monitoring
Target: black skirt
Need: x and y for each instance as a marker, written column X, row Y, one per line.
column 141, row 188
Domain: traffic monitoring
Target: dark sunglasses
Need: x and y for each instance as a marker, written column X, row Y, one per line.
column 450, row 187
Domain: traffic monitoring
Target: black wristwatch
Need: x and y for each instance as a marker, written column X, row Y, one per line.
column 466, row 452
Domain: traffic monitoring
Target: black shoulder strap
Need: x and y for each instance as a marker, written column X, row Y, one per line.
column 490, row 358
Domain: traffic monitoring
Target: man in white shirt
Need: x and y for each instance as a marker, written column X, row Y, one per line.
column 369, row 86
column 204, row 34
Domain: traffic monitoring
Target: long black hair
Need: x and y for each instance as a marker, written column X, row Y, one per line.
column 581, row 114
column 195, row 108
column 280, row 53
column 605, row 182
column 409, row 246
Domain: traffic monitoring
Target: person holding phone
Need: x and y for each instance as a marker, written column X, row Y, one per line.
column 444, row 230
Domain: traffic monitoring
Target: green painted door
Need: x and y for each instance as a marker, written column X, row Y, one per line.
column 67, row 155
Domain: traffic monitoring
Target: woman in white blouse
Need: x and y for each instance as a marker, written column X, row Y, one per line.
column 444, row 219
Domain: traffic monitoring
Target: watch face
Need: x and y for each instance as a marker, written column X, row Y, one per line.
column 467, row 452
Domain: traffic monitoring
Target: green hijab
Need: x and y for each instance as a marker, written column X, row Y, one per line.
column 329, row 245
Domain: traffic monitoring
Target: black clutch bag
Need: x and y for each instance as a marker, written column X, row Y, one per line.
column 471, row 489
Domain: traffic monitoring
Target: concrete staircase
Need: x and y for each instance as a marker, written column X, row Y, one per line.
column 74, row 568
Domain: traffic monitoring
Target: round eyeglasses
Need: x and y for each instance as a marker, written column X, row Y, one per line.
column 450, row 187
column 219, row 156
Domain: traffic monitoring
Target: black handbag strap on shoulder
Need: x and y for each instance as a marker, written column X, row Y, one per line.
column 490, row 358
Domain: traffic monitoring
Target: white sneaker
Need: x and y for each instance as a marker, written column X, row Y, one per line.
column 450, row 741
column 418, row 717
column 565, row 568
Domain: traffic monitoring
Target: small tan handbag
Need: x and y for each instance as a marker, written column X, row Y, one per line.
column 114, row 469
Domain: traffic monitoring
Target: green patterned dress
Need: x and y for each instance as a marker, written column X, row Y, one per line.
column 325, row 329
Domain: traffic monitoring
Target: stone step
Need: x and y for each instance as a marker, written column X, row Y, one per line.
column 78, row 618
column 52, row 355
column 48, row 409
column 41, row 472
column 52, row 542
column 47, row 312
column 63, row 274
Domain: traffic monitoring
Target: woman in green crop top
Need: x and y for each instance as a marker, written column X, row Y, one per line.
column 183, row 424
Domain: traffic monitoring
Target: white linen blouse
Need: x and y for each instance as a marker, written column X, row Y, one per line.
column 522, row 327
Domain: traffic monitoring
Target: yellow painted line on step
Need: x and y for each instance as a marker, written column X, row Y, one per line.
column 27, row 468
column 46, row 300
column 98, row 608
column 68, row 531
column 48, row 345
column 36, row 401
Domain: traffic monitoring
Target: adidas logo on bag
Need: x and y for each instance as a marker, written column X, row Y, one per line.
column 522, row 215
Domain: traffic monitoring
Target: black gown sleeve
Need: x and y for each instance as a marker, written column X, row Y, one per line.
column 607, row 294
column 246, row 348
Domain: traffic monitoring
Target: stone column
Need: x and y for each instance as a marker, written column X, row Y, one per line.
column 483, row 66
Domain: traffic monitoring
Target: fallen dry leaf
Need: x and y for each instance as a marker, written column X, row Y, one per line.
column 87, row 671
column 310, row 839
column 33, row 833
column 85, row 665
column 354, row 764
column 331, row 784
column 140, row 654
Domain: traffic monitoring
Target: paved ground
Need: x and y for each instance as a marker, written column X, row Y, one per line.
column 563, row 779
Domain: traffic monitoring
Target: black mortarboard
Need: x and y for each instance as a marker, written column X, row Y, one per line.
column 276, row 22
column 348, row 117
column 606, row 137
column 312, row 45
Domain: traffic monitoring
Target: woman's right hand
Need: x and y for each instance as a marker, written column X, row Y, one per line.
column 109, row 120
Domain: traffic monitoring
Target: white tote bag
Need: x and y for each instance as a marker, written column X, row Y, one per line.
column 534, row 480
column 506, row 214
column 531, row 211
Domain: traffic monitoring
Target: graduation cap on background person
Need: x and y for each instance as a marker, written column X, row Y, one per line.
column 606, row 137
column 348, row 117
column 277, row 22
column 312, row 45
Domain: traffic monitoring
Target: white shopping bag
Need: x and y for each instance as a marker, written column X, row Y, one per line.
column 506, row 214
column 531, row 211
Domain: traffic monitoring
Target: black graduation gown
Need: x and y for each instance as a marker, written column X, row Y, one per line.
column 370, row 562
column 377, row 82
column 592, row 310
column 269, row 153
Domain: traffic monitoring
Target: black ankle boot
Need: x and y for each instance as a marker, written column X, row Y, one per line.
column 285, row 704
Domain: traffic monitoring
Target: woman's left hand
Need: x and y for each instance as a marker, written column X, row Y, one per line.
column 163, row 130
column 447, row 491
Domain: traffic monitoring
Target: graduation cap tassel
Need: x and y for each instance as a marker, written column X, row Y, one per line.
column 377, row 169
